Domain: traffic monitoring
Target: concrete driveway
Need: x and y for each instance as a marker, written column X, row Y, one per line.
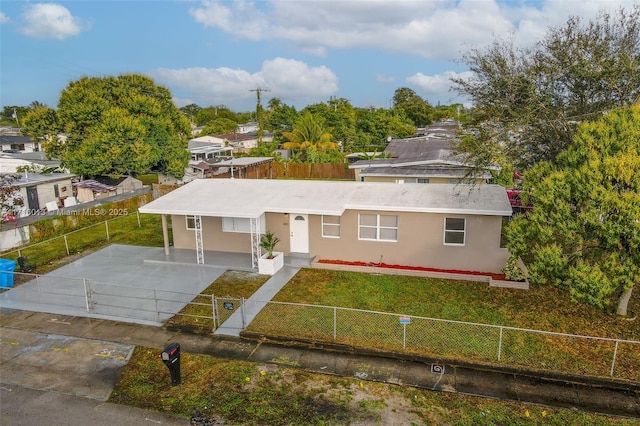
column 119, row 282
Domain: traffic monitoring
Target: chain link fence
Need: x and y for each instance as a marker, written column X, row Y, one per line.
column 585, row 355
column 511, row 346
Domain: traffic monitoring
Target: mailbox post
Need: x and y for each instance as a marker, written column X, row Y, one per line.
column 171, row 358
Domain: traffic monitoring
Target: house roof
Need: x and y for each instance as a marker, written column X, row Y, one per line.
column 243, row 161
column 28, row 179
column 95, row 186
column 113, row 181
column 250, row 198
column 418, row 171
column 10, row 139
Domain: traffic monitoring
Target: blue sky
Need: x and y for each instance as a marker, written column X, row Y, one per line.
column 214, row 52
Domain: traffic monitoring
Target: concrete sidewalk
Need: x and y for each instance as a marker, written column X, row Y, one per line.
column 242, row 317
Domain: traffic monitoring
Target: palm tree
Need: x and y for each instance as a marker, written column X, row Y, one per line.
column 309, row 130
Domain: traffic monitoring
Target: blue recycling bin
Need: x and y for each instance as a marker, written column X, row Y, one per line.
column 7, row 266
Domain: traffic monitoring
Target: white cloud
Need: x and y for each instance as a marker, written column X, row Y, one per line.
column 438, row 86
column 288, row 79
column 50, row 20
column 384, row 78
column 437, row 29
column 3, row 18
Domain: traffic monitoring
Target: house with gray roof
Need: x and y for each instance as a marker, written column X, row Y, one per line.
column 451, row 227
column 429, row 158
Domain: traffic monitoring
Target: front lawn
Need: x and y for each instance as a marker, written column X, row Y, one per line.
column 238, row 392
column 428, row 301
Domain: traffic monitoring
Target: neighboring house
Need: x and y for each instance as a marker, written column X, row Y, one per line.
column 251, row 127
column 17, row 144
column 425, row 159
column 245, row 141
column 43, row 192
column 438, row 226
column 209, row 148
column 90, row 190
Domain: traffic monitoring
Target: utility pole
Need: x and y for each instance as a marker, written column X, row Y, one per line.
column 259, row 90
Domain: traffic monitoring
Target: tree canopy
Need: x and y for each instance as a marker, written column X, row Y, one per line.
column 529, row 101
column 117, row 126
column 416, row 109
column 309, row 131
column 583, row 234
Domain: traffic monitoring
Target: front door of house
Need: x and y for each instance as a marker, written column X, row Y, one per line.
column 32, row 198
column 299, row 229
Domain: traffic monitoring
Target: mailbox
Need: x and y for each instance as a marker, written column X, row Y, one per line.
column 171, row 358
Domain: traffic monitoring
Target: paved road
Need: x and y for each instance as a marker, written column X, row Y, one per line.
column 30, row 407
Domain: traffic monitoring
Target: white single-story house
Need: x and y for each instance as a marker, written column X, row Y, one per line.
column 435, row 226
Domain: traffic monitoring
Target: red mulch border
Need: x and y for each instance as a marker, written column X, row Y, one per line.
column 414, row 268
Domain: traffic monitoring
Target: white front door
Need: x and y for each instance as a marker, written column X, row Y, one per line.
column 299, row 229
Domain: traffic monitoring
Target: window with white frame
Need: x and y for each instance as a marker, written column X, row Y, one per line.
column 377, row 227
column 240, row 224
column 191, row 223
column 454, row 231
column 331, row 226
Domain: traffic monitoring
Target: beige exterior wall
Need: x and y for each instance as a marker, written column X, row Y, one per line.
column 420, row 241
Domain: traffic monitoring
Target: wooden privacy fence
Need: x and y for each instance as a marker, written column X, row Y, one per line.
column 280, row 170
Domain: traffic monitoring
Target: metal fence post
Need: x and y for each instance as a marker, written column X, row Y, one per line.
column 500, row 345
column 213, row 311
column 39, row 289
column 138, row 214
column 404, row 336
column 106, row 226
column 335, row 322
column 244, row 319
column 155, row 298
column 66, row 243
column 615, row 354
column 86, row 294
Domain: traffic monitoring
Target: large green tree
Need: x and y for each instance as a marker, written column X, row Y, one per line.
column 583, row 234
column 530, row 100
column 374, row 128
column 416, row 109
column 41, row 123
column 340, row 117
column 118, row 126
column 279, row 117
column 309, row 131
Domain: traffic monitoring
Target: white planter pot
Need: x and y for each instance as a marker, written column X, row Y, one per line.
column 271, row 266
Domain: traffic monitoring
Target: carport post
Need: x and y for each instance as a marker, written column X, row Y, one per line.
column 165, row 234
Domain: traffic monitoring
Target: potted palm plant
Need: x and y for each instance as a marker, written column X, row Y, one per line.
column 270, row 262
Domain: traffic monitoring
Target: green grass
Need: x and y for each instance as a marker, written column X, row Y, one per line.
column 457, row 301
column 230, row 286
column 238, row 392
